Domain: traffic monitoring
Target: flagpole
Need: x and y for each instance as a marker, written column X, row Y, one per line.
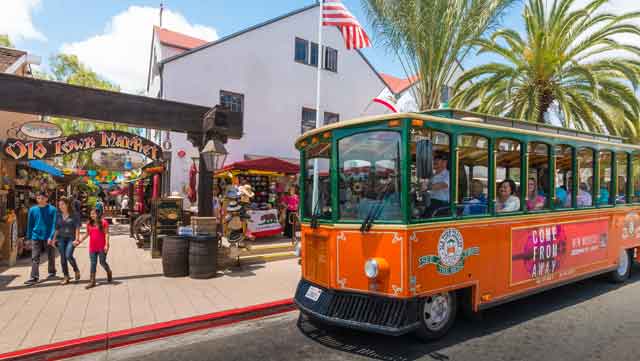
column 319, row 119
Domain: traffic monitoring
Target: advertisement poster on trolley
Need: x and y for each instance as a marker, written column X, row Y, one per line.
column 542, row 252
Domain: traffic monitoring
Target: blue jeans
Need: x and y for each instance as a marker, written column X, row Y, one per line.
column 94, row 261
column 65, row 248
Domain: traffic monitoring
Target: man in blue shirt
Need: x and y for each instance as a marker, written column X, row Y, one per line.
column 40, row 230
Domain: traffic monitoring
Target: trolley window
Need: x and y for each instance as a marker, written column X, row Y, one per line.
column 564, row 175
column 584, row 193
column 622, row 162
column 605, row 192
column 538, row 177
column 473, row 176
column 508, row 182
column 317, row 182
column 430, row 193
column 635, row 171
column 369, row 176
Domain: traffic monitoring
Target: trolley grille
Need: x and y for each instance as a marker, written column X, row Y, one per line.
column 366, row 309
column 369, row 309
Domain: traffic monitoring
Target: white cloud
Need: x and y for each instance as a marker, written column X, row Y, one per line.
column 15, row 20
column 121, row 52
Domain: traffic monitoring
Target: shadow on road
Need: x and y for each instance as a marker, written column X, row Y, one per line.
column 6, row 279
column 493, row 320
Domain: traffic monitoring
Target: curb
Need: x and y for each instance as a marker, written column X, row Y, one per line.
column 110, row 340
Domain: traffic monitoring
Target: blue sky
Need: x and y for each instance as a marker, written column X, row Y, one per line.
column 68, row 24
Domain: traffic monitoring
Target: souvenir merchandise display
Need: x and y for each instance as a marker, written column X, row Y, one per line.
column 260, row 186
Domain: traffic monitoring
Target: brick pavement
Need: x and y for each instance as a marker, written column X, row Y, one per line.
column 140, row 295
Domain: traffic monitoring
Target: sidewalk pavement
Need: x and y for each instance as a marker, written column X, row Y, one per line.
column 139, row 295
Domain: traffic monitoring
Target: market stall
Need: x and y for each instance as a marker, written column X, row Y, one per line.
column 269, row 178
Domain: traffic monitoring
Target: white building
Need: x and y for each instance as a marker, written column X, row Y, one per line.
column 269, row 73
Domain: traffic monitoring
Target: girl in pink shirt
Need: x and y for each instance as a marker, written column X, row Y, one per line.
column 291, row 201
column 98, row 234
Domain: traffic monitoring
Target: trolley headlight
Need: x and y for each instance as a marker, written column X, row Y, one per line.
column 374, row 267
column 371, row 268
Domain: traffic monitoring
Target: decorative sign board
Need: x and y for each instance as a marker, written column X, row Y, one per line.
column 41, row 130
column 118, row 159
column 41, row 149
column 166, row 216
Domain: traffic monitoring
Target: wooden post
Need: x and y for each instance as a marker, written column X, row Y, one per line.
column 205, row 191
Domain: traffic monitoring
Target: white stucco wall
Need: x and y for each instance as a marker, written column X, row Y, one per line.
column 260, row 65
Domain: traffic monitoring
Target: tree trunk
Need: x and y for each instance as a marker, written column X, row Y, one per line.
column 545, row 100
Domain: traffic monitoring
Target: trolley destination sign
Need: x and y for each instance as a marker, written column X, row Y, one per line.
column 19, row 149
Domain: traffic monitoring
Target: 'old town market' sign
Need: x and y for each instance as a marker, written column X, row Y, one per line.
column 41, row 149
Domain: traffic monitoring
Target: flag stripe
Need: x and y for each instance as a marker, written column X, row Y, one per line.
column 334, row 13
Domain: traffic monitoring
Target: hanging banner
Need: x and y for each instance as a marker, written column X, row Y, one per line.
column 105, row 139
column 264, row 223
column 543, row 252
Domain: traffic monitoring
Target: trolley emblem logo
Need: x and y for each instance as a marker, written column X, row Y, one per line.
column 451, row 253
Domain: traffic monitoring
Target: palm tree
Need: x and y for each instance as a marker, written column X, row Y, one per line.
column 432, row 37
column 571, row 59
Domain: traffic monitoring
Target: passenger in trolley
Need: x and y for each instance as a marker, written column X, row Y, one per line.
column 439, row 185
column 507, row 200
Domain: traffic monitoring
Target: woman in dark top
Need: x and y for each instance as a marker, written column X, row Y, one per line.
column 67, row 231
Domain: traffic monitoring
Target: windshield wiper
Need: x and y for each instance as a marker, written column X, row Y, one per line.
column 315, row 213
column 376, row 211
column 363, row 226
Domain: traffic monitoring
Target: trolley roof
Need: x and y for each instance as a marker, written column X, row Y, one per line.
column 478, row 120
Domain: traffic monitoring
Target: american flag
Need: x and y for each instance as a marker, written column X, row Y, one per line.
column 334, row 13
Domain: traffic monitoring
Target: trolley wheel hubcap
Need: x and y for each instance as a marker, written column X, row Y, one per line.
column 437, row 310
column 623, row 263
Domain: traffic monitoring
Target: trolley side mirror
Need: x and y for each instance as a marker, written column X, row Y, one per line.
column 424, row 159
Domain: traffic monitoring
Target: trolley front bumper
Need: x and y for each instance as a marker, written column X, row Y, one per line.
column 372, row 313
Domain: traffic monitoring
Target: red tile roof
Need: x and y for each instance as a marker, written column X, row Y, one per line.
column 398, row 85
column 8, row 56
column 178, row 40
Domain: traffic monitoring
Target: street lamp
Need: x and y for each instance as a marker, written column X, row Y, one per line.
column 214, row 155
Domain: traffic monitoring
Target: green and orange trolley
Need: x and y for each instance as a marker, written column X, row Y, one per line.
column 394, row 241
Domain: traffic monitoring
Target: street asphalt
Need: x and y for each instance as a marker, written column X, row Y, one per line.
column 588, row 320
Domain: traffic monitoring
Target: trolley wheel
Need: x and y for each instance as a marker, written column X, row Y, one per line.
column 621, row 273
column 437, row 315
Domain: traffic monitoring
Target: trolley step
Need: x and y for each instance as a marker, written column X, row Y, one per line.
column 262, row 249
column 264, row 258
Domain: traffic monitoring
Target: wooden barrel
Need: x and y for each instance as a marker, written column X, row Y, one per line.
column 203, row 257
column 175, row 257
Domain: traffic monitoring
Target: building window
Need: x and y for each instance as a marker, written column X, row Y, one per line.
column 331, row 59
column 308, row 120
column 331, row 118
column 302, row 50
column 313, row 56
column 232, row 101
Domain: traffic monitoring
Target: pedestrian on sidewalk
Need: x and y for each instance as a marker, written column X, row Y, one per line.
column 98, row 234
column 291, row 201
column 100, row 206
column 67, row 231
column 40, row 231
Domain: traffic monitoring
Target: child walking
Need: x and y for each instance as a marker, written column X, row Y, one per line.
column 98, row 234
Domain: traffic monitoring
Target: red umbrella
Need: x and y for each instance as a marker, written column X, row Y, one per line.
column 193, row 175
